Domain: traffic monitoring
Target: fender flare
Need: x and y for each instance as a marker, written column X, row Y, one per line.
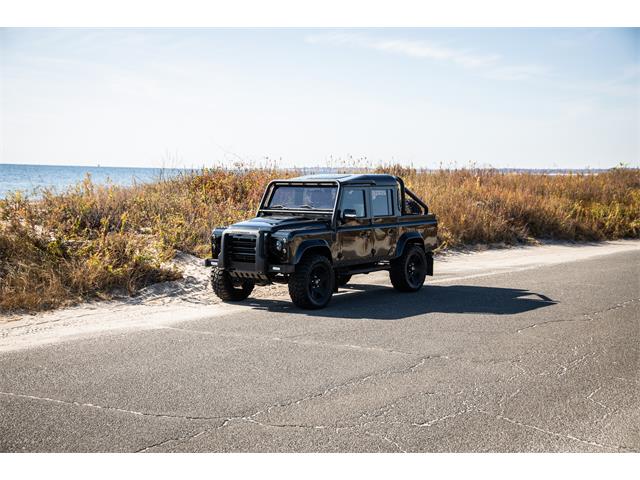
column 308, row 244
column 406, row 238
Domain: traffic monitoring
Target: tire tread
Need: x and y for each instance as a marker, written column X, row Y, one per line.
column 298, row 282
column 397, row 273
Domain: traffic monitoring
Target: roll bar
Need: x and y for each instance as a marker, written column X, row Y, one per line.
column 404, row 190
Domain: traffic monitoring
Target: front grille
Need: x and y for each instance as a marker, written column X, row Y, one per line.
column 241, row 248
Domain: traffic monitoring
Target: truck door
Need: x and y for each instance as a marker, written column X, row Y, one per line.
column 354, row 235
column 384, row 218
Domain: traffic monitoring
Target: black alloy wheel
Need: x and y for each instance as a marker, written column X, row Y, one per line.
column 416, row 270
column 409, row 271
column 311, row 285
column 320, row 287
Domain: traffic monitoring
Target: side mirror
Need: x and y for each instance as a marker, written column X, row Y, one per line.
column 349, row 214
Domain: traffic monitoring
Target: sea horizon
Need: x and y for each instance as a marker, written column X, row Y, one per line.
column 30, row 178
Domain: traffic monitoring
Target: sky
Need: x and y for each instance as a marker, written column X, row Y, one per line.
column 520, row 98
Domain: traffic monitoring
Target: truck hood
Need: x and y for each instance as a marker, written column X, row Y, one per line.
column 275, row 223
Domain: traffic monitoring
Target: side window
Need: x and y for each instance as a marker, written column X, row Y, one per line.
column 381, row 203
column 353, row 198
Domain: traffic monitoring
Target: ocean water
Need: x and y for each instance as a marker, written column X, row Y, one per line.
column 31, row 178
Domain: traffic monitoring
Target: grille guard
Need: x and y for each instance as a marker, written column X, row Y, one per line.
column 226, row 260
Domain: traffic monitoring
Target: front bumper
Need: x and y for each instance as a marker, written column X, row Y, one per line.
column 244, row 254
column 210, row 262
column 283, row 268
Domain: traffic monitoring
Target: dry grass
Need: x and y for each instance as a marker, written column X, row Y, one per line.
column 94, row 240
column 485, row 206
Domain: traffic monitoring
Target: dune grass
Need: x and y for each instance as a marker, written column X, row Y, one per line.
column 92, row 241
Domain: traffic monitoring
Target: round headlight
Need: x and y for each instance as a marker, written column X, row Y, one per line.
column 279, row 245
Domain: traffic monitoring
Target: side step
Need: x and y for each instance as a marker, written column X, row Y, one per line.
column 375, row 268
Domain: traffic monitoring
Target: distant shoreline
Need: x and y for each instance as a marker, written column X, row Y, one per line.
column 32, row 178
column 323, row 169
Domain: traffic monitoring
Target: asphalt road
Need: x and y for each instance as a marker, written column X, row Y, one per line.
column 544, row 359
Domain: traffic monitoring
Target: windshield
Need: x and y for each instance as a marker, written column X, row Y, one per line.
column 296, row 197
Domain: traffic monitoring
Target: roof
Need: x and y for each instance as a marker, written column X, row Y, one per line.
column 350, row 179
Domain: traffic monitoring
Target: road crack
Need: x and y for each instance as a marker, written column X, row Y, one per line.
column 432, row 422
column 550, row 432
column 586, row 317
column 293, row 341
column 250, row 418
column 357, row 381
column 108, row 408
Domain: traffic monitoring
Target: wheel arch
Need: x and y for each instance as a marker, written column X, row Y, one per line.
column 408, row 238
column 309, row 247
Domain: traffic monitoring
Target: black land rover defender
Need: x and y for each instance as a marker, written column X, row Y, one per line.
column 315, row 232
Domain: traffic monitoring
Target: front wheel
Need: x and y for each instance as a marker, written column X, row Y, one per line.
column 409, row 270
column 230, row 289
column 311, row 285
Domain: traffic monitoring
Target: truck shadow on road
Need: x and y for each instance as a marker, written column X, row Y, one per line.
column 379, row 302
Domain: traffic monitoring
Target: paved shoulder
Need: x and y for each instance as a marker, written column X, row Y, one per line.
column 538, row 358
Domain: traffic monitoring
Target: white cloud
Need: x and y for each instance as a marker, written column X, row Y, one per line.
column 490, row 64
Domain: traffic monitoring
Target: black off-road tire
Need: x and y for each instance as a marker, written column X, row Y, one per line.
column 311, row 285
column 343, row 280
column 227, row 289
column 409, row 270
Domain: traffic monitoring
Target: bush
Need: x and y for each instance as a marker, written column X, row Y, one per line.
column 93, row 240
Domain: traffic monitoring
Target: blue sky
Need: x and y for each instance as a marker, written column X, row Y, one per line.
column 534, row 98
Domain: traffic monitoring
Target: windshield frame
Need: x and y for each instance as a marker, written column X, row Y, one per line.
column 269, row 191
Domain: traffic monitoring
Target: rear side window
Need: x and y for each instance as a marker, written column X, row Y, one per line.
column 353, row 199
column 381, row 203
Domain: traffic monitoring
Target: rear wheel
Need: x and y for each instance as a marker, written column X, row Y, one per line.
column 409, row 271
column 230, row 289
column 311, row 285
